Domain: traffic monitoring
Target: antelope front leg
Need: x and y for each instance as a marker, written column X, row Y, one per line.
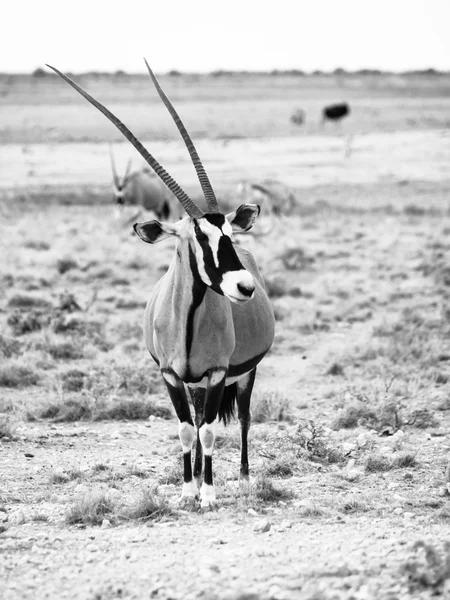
column 186, row 431
column 207, row 432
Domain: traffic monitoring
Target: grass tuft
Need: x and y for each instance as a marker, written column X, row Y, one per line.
column 148, row 507
column 280, row 468
column 7, row 427
column 17, row 375
column 266, row 491
column 377, row 463
column 405, row 460
column 271, row 406
column 90, row 509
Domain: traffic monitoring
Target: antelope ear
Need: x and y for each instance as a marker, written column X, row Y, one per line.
column 244, row 217
column 154, row 231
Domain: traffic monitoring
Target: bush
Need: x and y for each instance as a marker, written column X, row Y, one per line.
column 9, row 347
column 23, row 302
column 22, row 323
column 16, row 375
column 65, row 351
column 66, row 264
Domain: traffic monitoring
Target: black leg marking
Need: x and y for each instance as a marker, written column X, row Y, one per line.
column 177, row 394
column 198, row 400
column 187, row 467
column 180, row 403
column 208, row 470
column 244, row 393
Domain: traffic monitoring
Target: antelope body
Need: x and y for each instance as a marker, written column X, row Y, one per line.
column 144, row 189
column 275, row 197
column 209, row 321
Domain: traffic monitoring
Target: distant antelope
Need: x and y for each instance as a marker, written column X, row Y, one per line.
column 335, row 112
column 143, row 189
column 209, row 321
column 274, row 196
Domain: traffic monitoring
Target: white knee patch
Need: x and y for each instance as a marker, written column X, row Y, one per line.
column 186, row 432
column 207, row 436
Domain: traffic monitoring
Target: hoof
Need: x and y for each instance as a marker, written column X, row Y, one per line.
column 188, row 502
column 208, row 506
column 208, row 497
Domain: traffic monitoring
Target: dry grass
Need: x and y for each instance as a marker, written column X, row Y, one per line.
column 15, row 374
column 7, row 426
column 85, row 408
column 90, row 509
column 271, row 406
column 266, row 491
column 149, row 506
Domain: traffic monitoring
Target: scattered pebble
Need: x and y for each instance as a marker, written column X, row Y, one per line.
column 262, row 526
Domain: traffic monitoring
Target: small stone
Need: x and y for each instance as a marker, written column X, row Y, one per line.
column 92, row 548
column 106, row 523
column 408, row 515
column 17, row 517
column 262, row 526
column 252, row 512
column 398, row 510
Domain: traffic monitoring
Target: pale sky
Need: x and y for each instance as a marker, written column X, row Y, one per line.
column 204, row 35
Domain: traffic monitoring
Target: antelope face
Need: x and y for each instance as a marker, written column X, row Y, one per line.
column 118, row 196
column 217, row 262
column 211, row 248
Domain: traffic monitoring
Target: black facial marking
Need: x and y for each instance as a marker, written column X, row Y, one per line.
column 216, row 219
column 226, row 254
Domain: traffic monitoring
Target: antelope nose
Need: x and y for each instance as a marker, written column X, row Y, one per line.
column 246, row 289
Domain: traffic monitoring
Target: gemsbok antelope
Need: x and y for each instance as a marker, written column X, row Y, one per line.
column 142, row 189
column 209, row 321
column 274, row 196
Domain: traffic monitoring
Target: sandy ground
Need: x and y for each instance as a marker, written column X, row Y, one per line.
column 369, row 293
column 299, row 161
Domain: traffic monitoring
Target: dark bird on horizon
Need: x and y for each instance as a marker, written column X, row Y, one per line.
column 335, row 112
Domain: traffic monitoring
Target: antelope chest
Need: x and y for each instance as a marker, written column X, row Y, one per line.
column 194, row 341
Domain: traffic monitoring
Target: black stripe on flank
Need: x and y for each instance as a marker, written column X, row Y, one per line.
column 198, row 293
column 245, row 367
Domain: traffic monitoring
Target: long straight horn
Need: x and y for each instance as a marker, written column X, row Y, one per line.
column 128, row 169
column 113, row 167
column 210, row 197
column 191, row 208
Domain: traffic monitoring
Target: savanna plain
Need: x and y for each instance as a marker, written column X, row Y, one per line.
column 349, row 444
